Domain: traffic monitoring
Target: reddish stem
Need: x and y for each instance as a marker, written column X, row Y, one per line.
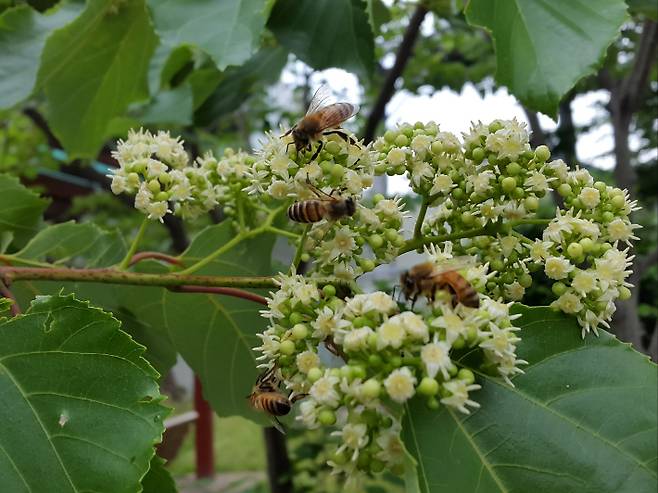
column 6, row 292
column 138, row 257
column 237, row 293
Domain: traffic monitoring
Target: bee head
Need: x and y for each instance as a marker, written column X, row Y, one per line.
column 301, row 139
column 351, row 206
column 407, row 283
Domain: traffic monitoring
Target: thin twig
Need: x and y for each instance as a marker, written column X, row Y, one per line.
column 236, row 293
column 401, row 58
column 138, row 257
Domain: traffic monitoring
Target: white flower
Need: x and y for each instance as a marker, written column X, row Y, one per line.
column 560, row 168
column 568, row 303
column 279, row 166
column 400, row 384
column 459, row 395
column 326, row 323
column 380, row 302
column 481, row 182
column 452, row 323
column 357, row 339
column 270, row 345
column 324, row 391
column 500, row 341
column 354, row 437
column 557, row 267
column 143, row 198
column 367, row 216
column 539, row 250
column 306, row 292
column 390, row 333
column 514, row 291
column 155, row 168
column 557, row 227
column 414, row 325
column 308, row 413
column 119, row 183
column 436, row 357
column 157, row 210
column 389, row 207
column 278, row 189
column 581, row 176
column 537, row 182
column 441, row 184
column 420, row 144
column 583, row 281
column 420, row 171
column 396, row 156
column 508, row 244
column 590, row 197
column 307, row 360
column 342, row 243
column 392, row 451
column 621, row 230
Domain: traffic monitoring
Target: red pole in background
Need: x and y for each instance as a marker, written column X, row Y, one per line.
column 203, row 436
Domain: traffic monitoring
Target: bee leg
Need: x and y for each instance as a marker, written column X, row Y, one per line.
column 413, row 300
column 278, row 425
column 289, row 131
column 297, row 398
column 317, row 151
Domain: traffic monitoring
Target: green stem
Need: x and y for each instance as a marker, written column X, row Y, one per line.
column 421, row 217
column 300, row 249
column 133, row 246
column 240, row 213
column 283, row 232
column 114, row 276
column 223, row 249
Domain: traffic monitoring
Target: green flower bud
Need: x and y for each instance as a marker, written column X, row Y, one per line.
column 513, row 169
column 337, row 171
column 436, row 147
column 466, row 375
column 377, row 198
column 574, row 250
column 326, row 167
column 607, row 217
column 153, row 186
column 542, row 153
column 372, row 341
column 390, row 136
column 376, row 241
column 600, row 186
column 367, row 265
column 340, row 458
column 326, row 417
column 525, row 280
column 299, row 331
column 478, row 155
column 564, row 190
column 467, row 218
column 332, row 147
column 459, row 343
column 618, row 201
column 558, row 288
column 433, row 403
column 531, row 203
column 396, row 362
column 162, row 196
column 428, row 386
column 508, row 184
column 287, row 347
column 624, row 293
column 401, row 141
column 314, row 374
column 377, row 466
column 371, row 388
column 329, row 290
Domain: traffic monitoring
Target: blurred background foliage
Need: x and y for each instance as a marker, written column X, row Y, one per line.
column 220, row 88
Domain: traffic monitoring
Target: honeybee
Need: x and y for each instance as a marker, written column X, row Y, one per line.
column 325, row 206
column 267, row 397
column 426, row 278
column 321, row 119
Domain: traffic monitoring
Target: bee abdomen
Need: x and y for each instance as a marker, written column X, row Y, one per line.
column 277, row 407
column 308, row 211
column 471, row 299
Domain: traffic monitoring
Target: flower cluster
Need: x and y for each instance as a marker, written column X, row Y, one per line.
column 357, row 360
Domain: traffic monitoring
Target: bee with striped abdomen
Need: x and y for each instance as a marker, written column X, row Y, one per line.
column 267, row 397
column 325, row 206
column 321, row 119
column 426, row 278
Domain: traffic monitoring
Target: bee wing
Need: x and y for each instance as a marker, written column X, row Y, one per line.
column 455, row 263
column 321, row 98
column 278, row 425
column 333, row 115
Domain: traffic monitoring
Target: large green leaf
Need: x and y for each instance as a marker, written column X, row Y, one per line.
column 544, row 47
column 93, row 68
column 645, row 7
column 326, row 33
column 229, row 31
column 216, row 334
column 158, row 479
column 236, row 84
column 581, row 419
column 79, row 405
column 20, row 208
column 23, row 34
column 5, row 308
column 60, row 243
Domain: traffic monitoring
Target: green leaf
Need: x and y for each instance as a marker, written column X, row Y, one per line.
column 645, row 7
column 326, row 33
column 236, row 84
column 172, row 107
column 158, row 479
column 544, row 48
column 5, row 308
column 216, row 334
column 60, row 243
column 581, row 419
column 78, row 402
column 93, row 68
column 23, row 34
column 378, row 14
column 229, row 31
column 20, row 208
